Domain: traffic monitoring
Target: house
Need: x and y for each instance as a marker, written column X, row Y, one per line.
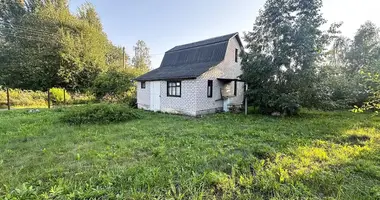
column 195, row 79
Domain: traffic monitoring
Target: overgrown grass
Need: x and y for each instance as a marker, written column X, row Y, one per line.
column 99, row 113
column 225, row 156
column 23, row 98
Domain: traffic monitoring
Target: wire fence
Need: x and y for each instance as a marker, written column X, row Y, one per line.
column 16, row 98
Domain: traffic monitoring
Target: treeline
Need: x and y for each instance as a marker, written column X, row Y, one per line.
column 291, row 62
column 44, row 45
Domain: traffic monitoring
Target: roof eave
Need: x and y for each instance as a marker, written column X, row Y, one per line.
column 165, row 79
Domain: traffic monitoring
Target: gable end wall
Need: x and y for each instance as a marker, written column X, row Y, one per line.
column 226, row 69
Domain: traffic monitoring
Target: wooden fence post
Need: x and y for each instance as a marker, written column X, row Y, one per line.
column 246, row 99
column 8, row 100
column 49, row 98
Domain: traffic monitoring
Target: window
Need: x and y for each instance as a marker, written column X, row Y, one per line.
column 174, row 89
column 143, row 85
column 235, row 88
column 209, row 88
column 236, row 55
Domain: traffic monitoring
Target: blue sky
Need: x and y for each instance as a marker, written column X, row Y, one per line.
column 163, row 24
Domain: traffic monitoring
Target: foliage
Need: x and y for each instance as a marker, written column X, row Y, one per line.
column 35, row 99
column 341, row 75
column 59, row 95
column 141, row 60
column 364, row 52
column 373, row 103
column 82, row 98
column 44, row 45
column 283, row 47
column 316, row 155
column 23, row 98
column 99, row 113
column 115, row 85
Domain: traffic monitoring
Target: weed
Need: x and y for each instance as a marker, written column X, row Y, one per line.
column 99, row 113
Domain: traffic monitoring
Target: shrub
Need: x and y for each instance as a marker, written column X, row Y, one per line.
column 100, row 113
column 286, row 104
column 82, row 98
column 58, row 95
column 114, row 83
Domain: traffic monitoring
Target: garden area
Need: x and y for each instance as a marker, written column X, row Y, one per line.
column 67, row 153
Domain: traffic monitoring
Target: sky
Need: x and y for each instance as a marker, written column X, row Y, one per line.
column 163, row 24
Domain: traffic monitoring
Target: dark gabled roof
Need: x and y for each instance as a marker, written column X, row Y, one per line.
column 190, row 60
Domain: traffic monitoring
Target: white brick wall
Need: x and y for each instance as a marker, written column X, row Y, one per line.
column 186, row 104
column 226, row 69
column 194, row 100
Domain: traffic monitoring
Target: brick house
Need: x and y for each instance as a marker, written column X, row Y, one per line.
column 195, row 79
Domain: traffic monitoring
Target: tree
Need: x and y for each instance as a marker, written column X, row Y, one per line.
column 115, row 83
column 29, row 61
column 365, row 48
column 44, row 45
column 141, row 59
column 280, row 64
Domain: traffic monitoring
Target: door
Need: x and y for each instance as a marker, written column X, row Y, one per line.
column 155, row 95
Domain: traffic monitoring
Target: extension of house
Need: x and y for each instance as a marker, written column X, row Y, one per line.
column 195, row 79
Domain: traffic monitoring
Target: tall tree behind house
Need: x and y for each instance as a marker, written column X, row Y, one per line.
column 141, row 59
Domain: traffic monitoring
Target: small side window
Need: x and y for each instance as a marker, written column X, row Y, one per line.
column 143, row 85
column 235, row 89
column 209, row 88
column 236, row 55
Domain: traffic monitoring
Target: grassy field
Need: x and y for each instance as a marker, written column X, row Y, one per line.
column 317, row 155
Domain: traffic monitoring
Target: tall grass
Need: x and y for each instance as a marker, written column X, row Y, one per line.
column 23, row 98
column 38, row 99
column 100, row 113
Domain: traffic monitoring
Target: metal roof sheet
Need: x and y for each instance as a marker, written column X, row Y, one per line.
column 190, row 60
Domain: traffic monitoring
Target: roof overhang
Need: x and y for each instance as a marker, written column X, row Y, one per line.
column 227, row 80
column 239, row 40
column 166, row 79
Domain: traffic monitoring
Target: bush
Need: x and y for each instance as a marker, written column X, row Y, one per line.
column 113, row 84
column 82, row 98
column 58, row 95
column 100, row 113
column 286, row 104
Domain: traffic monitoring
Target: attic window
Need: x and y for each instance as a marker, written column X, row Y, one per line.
column 143, row 85
column 236, row 55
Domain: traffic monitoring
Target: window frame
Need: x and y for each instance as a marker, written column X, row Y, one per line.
column 210, row 85
column 143, row 84
column 175, row 86
column 236, row 55
column 235, row 88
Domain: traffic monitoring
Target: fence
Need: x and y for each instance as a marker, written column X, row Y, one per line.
column 28, row 99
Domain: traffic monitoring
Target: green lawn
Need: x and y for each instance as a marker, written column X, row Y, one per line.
column 223, row 156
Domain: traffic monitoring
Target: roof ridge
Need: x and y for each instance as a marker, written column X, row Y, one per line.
column 175, row 49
